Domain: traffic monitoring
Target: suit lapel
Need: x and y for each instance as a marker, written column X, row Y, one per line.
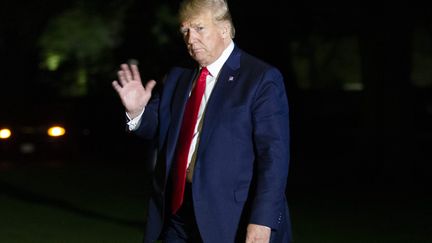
column 214, row 109
column 177, row 108
column 226, row 79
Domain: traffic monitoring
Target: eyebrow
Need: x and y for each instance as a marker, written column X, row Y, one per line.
column 192, row 24
column 184, row 28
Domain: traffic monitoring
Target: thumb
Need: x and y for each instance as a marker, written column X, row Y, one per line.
column 150, row 85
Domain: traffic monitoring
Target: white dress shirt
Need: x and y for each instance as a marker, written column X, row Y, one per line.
column 214, row 70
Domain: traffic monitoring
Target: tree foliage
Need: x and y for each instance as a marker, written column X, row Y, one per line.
column 78, row 43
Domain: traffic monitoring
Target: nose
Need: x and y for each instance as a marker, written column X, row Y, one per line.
column 190, row 37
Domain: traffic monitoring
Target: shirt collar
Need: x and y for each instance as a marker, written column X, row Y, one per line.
column 216, row 66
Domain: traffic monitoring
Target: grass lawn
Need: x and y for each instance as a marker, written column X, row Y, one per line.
column 58, row 203
column 105, row 203
column 361, row 217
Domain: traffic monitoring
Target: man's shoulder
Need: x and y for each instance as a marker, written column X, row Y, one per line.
column 249, row 60
column 256, row 66
column 176, row 72
column 174, row 76
column 179, row 70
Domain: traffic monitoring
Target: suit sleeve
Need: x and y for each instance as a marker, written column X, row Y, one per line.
column 161, row 99
column 271, row 142
column 149, row 120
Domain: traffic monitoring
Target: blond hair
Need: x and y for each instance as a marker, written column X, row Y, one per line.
column 218, row 8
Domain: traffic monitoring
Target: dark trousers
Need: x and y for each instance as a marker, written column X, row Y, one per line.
column 182, row 227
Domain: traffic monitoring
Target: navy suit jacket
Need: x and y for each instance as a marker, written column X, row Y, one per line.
column 242, row 160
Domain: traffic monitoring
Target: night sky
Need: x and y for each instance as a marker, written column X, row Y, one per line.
column 359, row 81
column 383, row 118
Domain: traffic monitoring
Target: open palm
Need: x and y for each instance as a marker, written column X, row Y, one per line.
column 134, row 96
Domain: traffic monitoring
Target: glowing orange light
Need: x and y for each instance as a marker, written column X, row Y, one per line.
column 56, row 131
column 5, row 133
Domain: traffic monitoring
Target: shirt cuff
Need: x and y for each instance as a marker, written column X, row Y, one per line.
column 133, row 124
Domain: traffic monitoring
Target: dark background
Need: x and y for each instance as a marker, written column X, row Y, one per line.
column 374, row 138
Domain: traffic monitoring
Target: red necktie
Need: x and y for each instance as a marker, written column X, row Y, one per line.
column 185, row 139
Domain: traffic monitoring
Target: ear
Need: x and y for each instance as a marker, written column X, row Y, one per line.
column 225, row 30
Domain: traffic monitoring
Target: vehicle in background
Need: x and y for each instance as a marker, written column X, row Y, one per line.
column 32, row 139
column 77, row 130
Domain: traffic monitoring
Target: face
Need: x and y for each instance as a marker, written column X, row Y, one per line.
column 205, row 39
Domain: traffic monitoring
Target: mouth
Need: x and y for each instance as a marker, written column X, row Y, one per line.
column 196, row 50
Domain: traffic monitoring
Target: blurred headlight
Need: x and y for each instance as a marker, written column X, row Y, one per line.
column 5, row 133
column 56, row 131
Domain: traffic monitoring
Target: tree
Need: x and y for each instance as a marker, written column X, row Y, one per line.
column 77, row 45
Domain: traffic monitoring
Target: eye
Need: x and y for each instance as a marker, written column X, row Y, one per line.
column 183, row 31
column 199, row 28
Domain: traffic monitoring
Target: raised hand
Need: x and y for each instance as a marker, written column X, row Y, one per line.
column 134, row 96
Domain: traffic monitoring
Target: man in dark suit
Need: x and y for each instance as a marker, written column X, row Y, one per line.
column 222, row 131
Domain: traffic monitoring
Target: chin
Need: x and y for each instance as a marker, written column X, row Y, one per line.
column 200, row 61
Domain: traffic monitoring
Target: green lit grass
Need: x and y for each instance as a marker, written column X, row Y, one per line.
column 106, row 203
column 361, row 217
column 71, row 204
column 26, row 222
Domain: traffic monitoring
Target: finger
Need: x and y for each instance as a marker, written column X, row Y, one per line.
column 128, row 75
column 116, row 86
column 150, row 85
column 135, row 73
column 249, row 239
column 122, row 78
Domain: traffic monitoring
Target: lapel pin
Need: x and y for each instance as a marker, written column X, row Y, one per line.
column 231, row 78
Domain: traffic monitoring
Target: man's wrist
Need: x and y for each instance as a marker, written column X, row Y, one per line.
column 135, row 113
column 133, row 123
